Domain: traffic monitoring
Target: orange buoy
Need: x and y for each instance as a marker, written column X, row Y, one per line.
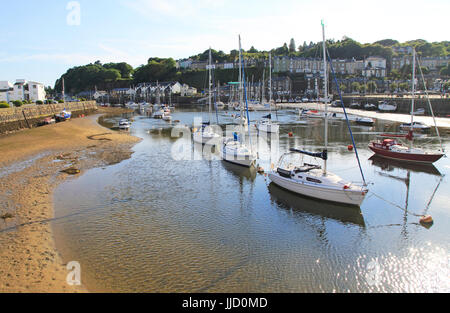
column 291, row 134
column 427, row 219
column 350, row 148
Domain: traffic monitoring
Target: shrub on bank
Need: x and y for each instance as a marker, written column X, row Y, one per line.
column 17, row 103
column 61, row 101
column 4, row 105
column 39, row 102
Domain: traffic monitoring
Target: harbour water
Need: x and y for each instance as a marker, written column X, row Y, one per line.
column 155, row 224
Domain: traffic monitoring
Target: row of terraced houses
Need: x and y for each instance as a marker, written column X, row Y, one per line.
column 374, row 66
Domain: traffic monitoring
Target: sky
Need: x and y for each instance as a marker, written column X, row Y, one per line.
column 40, row 40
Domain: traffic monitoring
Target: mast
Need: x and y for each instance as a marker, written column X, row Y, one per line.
column 263, row 85
column 63, row 93
column 413, row 89
column 270, row 78
column 325, row 70
column 209, row 84
column 241, row 94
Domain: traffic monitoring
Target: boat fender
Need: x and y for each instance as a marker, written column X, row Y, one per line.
column 350, row 147
column 260, row 170
column 427, row 219
column 291, row 134
column 346, row 187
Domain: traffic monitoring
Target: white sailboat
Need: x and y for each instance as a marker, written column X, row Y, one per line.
column 234, row 150
column 266, row 124
column 313, row 180
column 206, row 135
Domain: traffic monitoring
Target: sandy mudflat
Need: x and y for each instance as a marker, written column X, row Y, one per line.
column 30, row 165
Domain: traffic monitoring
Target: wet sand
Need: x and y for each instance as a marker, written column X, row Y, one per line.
column 30, row 165
column 394, row 117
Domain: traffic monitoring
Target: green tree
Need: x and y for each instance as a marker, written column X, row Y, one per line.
column 372, row 86
column 445, row 71
column 284, row 50
column 156, row 69
column 356, row 86
column 125, row 69
column 403, row 86
column 17, row 103
column 292, row 46
column 252, row 50
column 393, row 87
column 111, row 74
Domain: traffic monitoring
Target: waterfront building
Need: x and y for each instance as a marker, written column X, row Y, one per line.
column 22, row 90
column 5, row 88
column 374, row 66
column 284, row 64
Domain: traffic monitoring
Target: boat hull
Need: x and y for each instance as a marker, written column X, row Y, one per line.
column 427, row 158
column 245, row 163
column 238, row 159
column 328, row 194
column 206, row 140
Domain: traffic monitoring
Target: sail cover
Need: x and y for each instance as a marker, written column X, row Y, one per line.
column 323, row 155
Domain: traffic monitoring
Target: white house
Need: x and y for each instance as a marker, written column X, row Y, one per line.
column 36, row 91
column 22, row 90
column 188, row 91
column 374, row 66
column 5, row 88
column 99, row 94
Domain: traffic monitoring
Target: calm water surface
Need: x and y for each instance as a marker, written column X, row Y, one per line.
column 153, row 224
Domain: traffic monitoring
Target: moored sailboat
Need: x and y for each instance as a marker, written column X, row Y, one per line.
column 206, row 135
column 313, row 180
column 390, row 148
column 234, row 149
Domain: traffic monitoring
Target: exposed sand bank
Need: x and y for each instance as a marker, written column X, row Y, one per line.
column 30, row 166
column 401, row 118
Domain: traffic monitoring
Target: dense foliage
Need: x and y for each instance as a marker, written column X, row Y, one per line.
column 114, row 75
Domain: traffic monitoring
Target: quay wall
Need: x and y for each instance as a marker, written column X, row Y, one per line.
column 441, row 107
column 12, row 119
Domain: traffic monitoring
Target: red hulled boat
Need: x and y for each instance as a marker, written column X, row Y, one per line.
column 391, row 149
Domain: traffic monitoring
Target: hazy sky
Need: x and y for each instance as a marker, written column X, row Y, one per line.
column 38, row 43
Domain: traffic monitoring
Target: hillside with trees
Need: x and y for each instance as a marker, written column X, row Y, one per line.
column 113, row 75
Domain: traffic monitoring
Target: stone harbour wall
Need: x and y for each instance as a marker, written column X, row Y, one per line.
column 30, row 116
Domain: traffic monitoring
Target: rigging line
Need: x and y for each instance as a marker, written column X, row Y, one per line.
column 346, row 117
column 246, row 102
column 396, row 205
column 434, row 193
column 429, row 104
column 215, row 96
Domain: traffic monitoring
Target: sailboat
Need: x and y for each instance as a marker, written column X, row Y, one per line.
column 390, row 148
column 266, row 124
column 234, row 150
column 313, row 180
column 205, row 135
column 64, row 115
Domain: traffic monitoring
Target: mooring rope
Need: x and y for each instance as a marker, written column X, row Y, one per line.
column 396, row 205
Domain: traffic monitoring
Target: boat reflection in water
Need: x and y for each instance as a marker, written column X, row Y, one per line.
column 389, row 165
column 248, row 173
column 304, row 205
